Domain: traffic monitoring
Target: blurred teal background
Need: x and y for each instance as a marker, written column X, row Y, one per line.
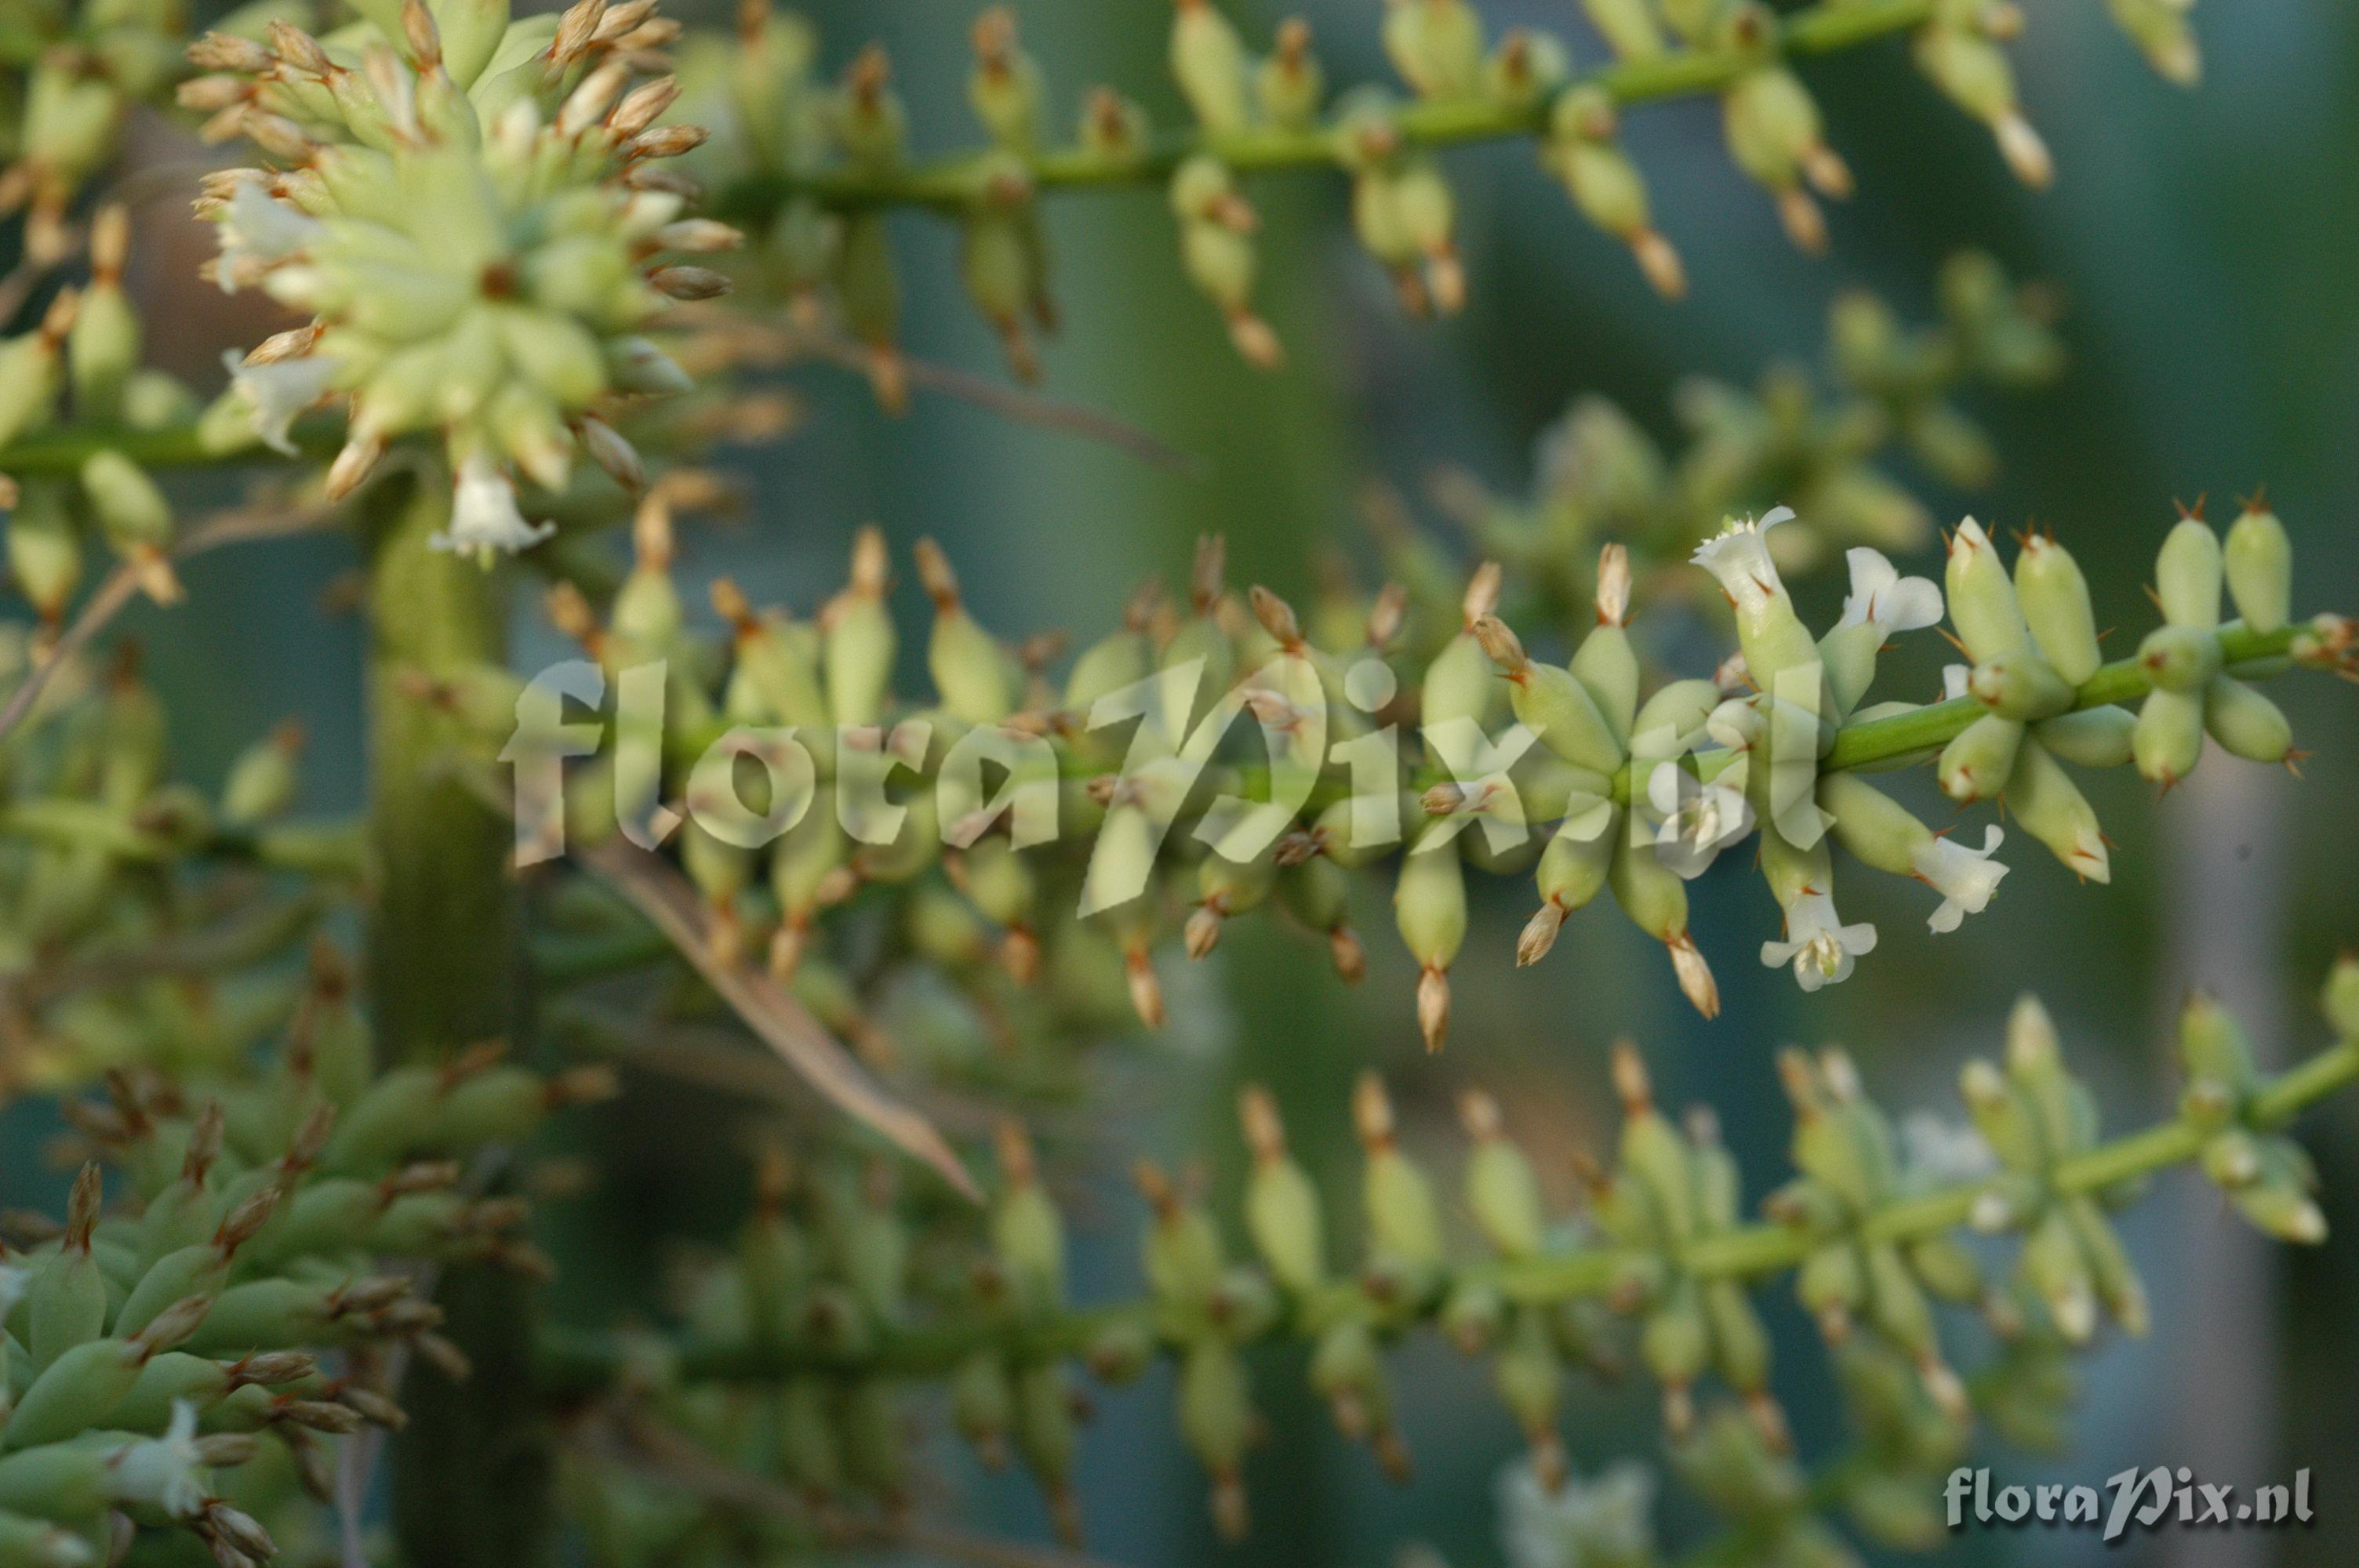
column 2202, row 245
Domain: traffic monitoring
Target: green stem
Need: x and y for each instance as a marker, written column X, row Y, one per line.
column 472, row 1471
column 1934, row 725
column 951, row 181
column 576, row 1361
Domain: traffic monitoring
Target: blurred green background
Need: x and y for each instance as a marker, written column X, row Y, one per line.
column 2202, row 245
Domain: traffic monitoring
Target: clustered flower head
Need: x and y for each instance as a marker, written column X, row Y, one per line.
column 1281, row 753
column 76, row 73
column 820, row 163
column 844, row 1296
column 233, row 1291
column 478, row 216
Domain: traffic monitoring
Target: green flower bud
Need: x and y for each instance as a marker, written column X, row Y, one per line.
column 66, row 1303
column 858, row 630
column 1182, row 1253
column 1871, row 826
column 2340, row 999
column 1004, row 90
column 1216, row 1417
column 2022, row 689
column 983, row 1405
column 1001, row 260
column 1436, row 45
column 1627, row 25
column 1502, row 1193
column 1675, row 1342
column 2244, row 722
column 1404, row 1220
column 2057, row 1270
column 1120, row 1351
column 2170, row 735
column 2091, row 738
column 1045, row 1436
column 131, row 510
column 1656, row 900
column 2116, row 1279
column 1981, row 760
column 1282, row 1208
column 102, row 346
column 2054, row 597
column 1606, row 185
column 1551, row 701
column 38, row 1543
column 263, row 780
column 1290, row 84
column 1774, row 135
column 1529, row 1377
column 1216, row 246
column 1429, row 908
column 1831, row 1285
column 1973, row 71
column 2259, row 562
column 2160, row 30
column 2052, row 809
column 1209, row 62
column 968, row 670
column 1028, row 1234
column 29, row 372
column 45, row 558
column 1982, row 600
column 2187, row 575
column 2179, row 659
column 81, row 1387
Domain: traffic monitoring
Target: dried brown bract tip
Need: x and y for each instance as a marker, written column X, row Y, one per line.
column 1479, row 1114
column 872, row 563
column 81, row 1207
column 1206, row 577
column 1630, row 1081
column 1145, row 989
column 934, row 572
column 1502, row 646
column 1371, row 1113
column 1277, row 618
column 1013, row 1146
column 1264, row 1130
column 1613, row 586
column 1482, row 593
column 1694, row 975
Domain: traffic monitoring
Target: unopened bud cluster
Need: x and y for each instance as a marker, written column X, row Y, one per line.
column 235, row 1295
column 820, row 161
column 846, row 1319
column 478, row 216
column 1279, row 754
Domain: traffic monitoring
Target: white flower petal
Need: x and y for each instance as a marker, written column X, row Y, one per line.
column 279, row 393
column 483, row 516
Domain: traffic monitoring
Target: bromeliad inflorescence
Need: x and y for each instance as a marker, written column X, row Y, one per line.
column 477, row 214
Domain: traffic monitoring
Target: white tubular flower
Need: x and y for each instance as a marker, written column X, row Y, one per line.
column 1820, row 947
column 1882, row 596
column 259, row 231
column 1739, row 558
column 164, row 1473
column 279, row 393
column 1938, row 1153
column 1964, row 878
column 1956, row 680
column 484, row 521
column 1697, row 820
column 13, row 1284
column 1606, row 1521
